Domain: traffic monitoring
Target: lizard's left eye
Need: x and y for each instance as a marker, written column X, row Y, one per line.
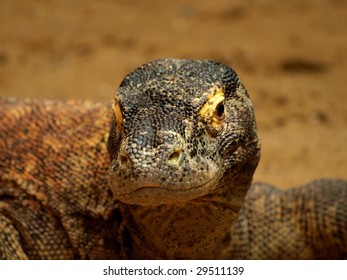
column 220, row 110
column 213, row 112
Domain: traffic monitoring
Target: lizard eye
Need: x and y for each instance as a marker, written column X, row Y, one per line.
column 213, row 112
column 117, row 110
column 220, row 110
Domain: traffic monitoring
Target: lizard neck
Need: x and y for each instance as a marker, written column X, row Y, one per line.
column 195, row 230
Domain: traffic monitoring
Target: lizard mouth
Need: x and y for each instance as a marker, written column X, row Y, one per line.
column 154, row 195
column 178, row 186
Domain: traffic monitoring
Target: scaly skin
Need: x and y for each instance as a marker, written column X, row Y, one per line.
column 182, row 150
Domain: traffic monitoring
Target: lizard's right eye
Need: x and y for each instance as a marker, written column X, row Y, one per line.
column 117, row 110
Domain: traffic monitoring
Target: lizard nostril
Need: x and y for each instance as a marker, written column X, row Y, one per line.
column 176, row 157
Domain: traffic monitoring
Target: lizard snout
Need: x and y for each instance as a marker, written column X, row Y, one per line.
column 164, row 156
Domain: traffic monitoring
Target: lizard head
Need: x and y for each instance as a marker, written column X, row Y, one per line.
column 183, row 131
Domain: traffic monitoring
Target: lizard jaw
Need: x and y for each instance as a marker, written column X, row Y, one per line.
column 155, row 195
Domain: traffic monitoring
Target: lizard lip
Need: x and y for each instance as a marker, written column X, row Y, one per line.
column 154, row 195
column 146, row 187
column 157, row 187
column 150, row 190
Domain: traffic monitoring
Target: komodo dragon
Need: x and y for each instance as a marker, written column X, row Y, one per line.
column 174, row 184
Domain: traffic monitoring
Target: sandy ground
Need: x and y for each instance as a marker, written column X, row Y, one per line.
column 291, row 55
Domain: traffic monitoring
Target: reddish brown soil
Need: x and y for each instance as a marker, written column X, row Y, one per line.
column 291, row 55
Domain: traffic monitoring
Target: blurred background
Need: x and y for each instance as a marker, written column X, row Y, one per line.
column 291, row 56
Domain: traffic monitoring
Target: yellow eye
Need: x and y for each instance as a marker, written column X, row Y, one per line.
column 213, row 111
column 118, row 114
column 220, row 110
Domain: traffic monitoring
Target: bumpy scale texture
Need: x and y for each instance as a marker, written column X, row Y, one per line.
column 166, row 174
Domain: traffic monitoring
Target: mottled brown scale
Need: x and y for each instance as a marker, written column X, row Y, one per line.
column 165, row 172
